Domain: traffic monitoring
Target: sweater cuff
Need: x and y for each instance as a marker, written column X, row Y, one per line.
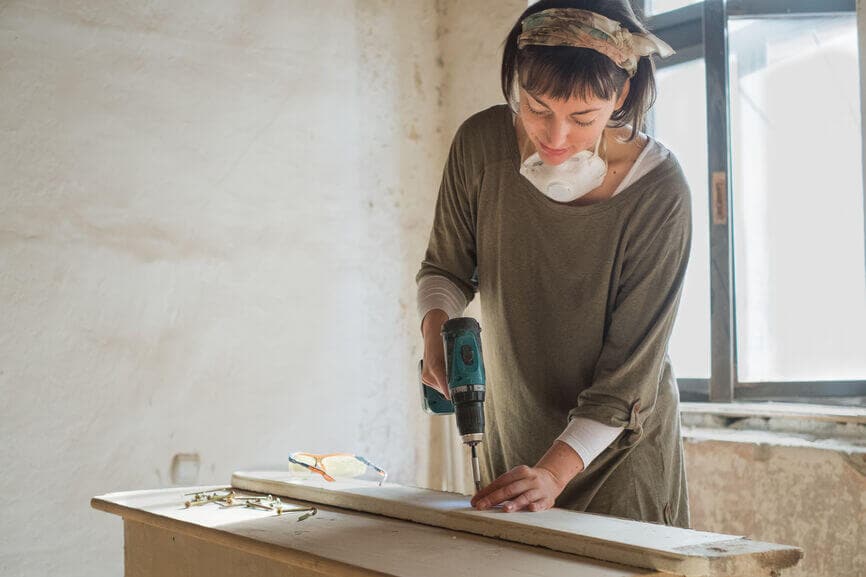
column 588, row 438
column 438, row 292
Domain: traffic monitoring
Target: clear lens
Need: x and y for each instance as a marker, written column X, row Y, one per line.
column 340, row 465
column 299, row 469
column 344, row 466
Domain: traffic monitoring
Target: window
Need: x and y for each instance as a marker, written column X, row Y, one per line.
column 679, row 120
column 798, row 234
column 774, row 305
column 659, row 6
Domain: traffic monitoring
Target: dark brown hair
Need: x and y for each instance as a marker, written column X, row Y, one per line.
column 562, row 72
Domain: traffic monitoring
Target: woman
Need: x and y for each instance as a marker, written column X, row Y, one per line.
column 574, row 227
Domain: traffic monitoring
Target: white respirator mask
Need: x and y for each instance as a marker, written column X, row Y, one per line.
column 569, row 180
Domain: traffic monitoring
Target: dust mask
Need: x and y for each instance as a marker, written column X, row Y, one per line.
column 569, row 180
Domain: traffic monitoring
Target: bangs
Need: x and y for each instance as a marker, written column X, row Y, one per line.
column 563, row 72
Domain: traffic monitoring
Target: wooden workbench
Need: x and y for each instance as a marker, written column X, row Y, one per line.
column 164, row 538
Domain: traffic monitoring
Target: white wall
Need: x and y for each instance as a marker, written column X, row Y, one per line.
column 211, row 215
column 861, row 38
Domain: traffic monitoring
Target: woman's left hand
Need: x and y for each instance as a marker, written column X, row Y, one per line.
column 523, row 487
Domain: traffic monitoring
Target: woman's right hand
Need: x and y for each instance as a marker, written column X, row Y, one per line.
column 433, row 374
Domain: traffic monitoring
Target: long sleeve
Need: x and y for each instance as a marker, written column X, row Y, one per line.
column 588, row 438
column 451, row 251
column 628, row 371
column 437, row 292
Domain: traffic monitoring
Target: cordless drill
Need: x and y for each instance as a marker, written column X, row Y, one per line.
column 464, row 371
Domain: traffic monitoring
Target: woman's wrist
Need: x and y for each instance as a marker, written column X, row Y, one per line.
column 433, row 321
column 562, row 462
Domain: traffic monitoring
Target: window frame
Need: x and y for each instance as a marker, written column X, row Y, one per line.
column 697, row 31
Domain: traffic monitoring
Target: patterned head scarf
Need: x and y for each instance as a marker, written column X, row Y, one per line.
column 585, row 29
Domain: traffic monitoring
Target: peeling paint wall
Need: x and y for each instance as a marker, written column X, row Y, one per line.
column 211, row 215
column 472, row 34
column 809, row 497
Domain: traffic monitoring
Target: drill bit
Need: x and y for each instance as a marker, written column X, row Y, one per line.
column 476, row 470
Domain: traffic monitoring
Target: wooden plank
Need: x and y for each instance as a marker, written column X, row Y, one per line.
column 333, row 542
column 658, row 547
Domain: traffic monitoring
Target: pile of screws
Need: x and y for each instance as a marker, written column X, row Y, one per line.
column 227, row 498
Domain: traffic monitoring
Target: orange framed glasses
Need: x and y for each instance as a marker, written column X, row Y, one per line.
column 333, row 465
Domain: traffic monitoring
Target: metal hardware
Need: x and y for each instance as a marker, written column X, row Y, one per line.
column 261, row 502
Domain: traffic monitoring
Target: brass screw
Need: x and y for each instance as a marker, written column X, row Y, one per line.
column 232, row 499
column 202, row 498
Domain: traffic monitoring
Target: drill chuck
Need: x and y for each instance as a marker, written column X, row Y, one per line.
column 469, row 411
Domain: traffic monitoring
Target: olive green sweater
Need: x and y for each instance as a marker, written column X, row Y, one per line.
column 577, row 305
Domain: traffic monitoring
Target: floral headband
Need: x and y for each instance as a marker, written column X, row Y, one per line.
column 585, row 29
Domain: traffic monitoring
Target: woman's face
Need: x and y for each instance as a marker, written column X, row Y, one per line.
column 559, row 129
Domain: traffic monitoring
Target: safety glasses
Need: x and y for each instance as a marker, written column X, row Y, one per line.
column 333, row 465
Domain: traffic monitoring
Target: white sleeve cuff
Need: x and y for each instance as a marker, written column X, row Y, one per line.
column 438, row 292
column 588, row 438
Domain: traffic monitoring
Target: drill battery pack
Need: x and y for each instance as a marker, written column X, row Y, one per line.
column 432, row 401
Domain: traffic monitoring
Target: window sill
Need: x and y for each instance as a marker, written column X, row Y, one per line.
column 782, row 424
column 771, row 410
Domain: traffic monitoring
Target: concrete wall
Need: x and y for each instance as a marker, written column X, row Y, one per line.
column 783, row 489
column 211, row 215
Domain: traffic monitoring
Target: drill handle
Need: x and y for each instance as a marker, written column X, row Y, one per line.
column 432, row 401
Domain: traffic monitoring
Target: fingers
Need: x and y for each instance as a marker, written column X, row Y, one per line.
column 522, row 501
column 508, row 486
column 503, row 480
column 541, row 505
column 433, row 379
column 530, row 503
column 520, row 489
column 505, row 494
column 433, row 371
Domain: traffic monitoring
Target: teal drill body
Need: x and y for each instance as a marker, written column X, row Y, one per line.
column 464, row 370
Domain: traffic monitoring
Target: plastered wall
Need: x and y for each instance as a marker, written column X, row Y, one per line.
column 211, row 215
column 811, row 497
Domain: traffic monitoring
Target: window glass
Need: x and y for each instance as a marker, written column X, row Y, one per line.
column 798, row 199
column 679, row 121
column 658, row 6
